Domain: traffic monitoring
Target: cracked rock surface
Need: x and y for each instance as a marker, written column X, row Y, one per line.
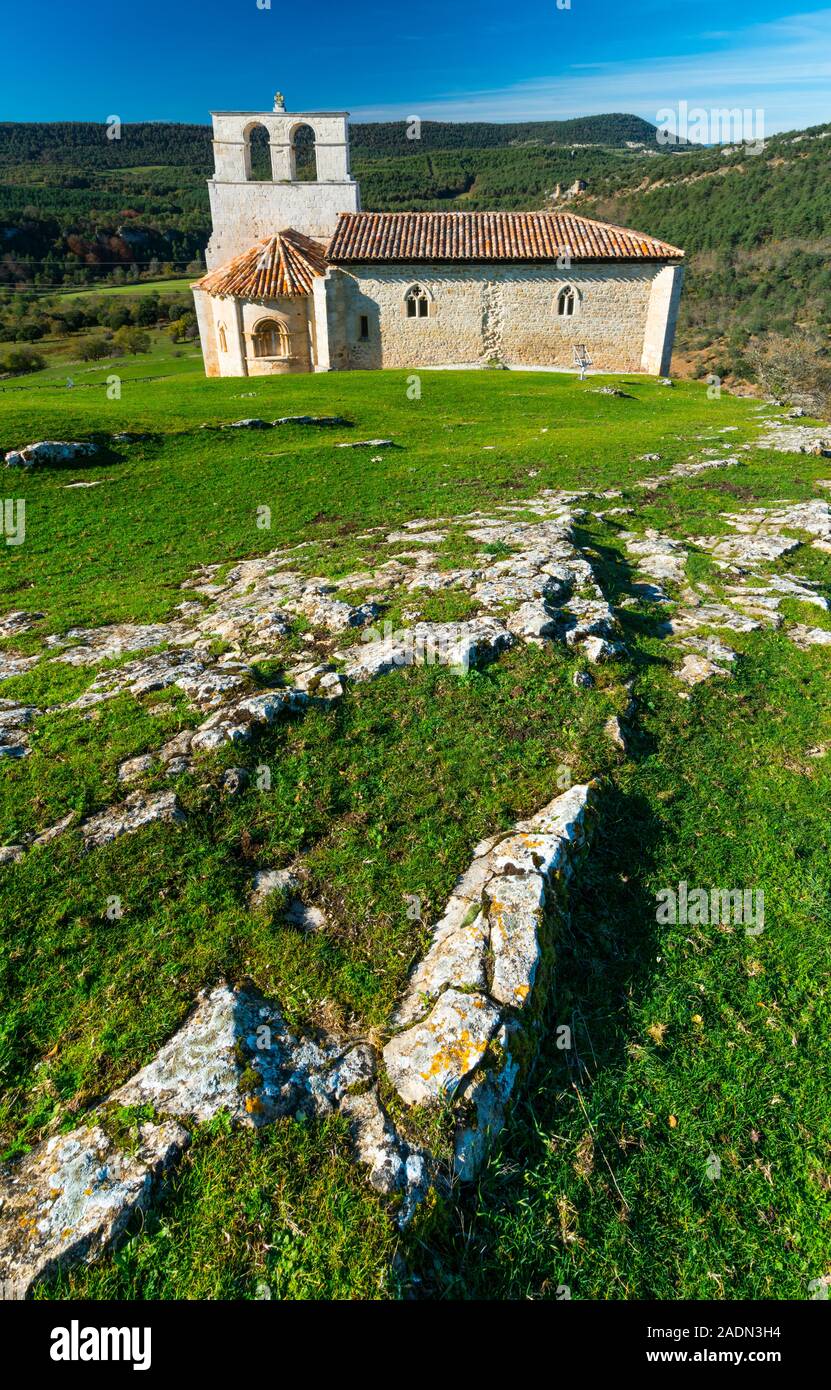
column 71, row 1196
column 74, row 1194
column 753, row 596
column 542, row 590
column 199, row 1072
column 50, row 451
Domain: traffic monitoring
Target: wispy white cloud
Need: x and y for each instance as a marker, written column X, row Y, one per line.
column 783, row 68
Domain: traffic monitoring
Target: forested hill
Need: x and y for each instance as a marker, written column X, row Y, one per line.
column 97, row 145
column 757, row 231
column 390, row 137
column 82, row 202
column 87, row 144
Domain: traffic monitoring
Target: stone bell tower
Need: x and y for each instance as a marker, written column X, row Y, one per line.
column 245, row 209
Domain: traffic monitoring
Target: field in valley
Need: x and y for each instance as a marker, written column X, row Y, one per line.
column 691, row 1042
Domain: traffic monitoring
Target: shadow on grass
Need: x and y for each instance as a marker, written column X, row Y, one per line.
column 619, row 580
column 605, row 955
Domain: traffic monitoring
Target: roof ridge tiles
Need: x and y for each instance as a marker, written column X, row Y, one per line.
column 498, row 235
column 284, row 264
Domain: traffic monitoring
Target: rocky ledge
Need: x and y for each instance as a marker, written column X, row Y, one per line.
column 471, row 1015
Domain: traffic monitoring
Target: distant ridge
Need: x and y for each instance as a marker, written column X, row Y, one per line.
column 391, row 136
column 84, row 144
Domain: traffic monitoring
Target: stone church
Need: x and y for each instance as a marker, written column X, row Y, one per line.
column 300, row 280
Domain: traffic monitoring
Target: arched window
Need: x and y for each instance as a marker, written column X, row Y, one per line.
column 257, row 153
column 566, row 302
column 417, row 302
column 223, row 341
column 271, row 339
column 303, row 154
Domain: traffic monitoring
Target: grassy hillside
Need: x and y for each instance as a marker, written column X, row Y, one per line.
column 688, row 1042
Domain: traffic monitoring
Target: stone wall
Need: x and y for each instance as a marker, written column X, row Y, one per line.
column 244, row 213
column 505, row 312
column 625, row 316
column 293, row 315
column 203, row 305
column 232, row 130
column 662, row 318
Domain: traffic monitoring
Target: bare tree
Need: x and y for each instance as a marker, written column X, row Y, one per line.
column 794, row 369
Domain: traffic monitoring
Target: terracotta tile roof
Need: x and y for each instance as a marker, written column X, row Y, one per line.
column 284, row 264
column 487, row 236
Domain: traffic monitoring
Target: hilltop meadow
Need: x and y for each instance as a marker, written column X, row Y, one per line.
column 690, row 1042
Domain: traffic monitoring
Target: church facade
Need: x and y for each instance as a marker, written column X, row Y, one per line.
column 299, row 279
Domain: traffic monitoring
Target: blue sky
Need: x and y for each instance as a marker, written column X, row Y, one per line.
column 440, row 59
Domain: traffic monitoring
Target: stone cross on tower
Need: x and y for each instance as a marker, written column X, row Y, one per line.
column 279, row 101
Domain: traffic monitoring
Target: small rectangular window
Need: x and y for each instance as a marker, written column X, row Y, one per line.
column 364, row 333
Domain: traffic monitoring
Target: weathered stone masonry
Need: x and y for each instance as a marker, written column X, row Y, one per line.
column 482, row 312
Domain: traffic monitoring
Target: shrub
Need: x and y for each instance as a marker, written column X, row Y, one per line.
column 132, row 340
column 184, row 329
column 793, row 369
column 114, row 315
column 146, row 311
column 21, row 360
column 31, row 330
column 93, row 349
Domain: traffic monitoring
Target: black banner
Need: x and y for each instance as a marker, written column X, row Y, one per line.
column 84, row 1340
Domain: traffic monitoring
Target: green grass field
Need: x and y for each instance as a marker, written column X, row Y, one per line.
column 62, row 354
column 168, row 286
column 688, row 1042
